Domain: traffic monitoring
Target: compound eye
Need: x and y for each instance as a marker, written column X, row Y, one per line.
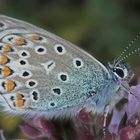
column 119, row 72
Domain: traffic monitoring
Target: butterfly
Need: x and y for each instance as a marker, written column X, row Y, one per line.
column 42, row 74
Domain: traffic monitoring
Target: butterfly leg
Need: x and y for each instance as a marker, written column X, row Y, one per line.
column 106, row 110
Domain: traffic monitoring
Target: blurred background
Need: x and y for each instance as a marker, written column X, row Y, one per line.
column 103, row 28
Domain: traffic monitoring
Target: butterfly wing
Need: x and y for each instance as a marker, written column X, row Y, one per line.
column 42, row 73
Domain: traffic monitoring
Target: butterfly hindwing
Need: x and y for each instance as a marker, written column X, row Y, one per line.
column 40, row 72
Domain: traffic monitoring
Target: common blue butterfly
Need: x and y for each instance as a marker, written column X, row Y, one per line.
column 44, row 75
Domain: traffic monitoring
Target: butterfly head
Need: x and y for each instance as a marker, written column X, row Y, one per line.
column 120, row 71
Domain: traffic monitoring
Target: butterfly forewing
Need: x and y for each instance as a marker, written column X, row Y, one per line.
column 40, row 72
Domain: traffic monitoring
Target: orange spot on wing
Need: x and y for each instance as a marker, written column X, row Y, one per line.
column 3, row 59
column 19, row 96
column 20, row 41
column 6, row 71
column 36, row 37
column 10, row 85
column 7, row 48
column 20, row 101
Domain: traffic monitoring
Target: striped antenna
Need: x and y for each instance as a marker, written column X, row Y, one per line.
column 122, row 55
column 129, row 54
